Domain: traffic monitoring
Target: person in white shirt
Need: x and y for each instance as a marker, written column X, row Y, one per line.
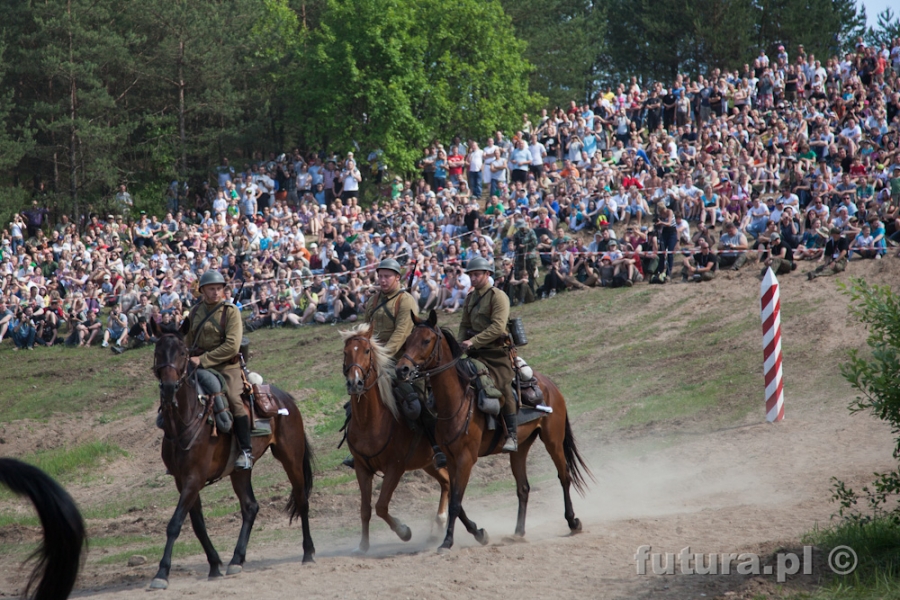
column 475, row 163
column 538, row 154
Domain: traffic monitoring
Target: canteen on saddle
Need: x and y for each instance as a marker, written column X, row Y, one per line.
column 528, row 384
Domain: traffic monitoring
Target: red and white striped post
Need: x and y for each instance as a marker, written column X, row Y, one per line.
column 770, row 311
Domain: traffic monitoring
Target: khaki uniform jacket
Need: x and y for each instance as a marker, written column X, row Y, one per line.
column 217, row 354
column 391, row 319
column 486, row 312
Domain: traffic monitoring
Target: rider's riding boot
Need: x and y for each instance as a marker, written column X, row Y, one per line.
column 242, row 431
column 348, row 462
column 439, row 458
column 512, row 442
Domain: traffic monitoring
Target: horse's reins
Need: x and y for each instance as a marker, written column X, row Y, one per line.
column 366, row 373
column 435, row 357
column 197, row 420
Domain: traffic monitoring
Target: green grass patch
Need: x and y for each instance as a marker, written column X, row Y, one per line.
column 877, row 547
column 62, row 380
column 64, row 463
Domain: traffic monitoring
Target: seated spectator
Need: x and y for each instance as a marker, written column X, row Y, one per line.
column 778, row 256
column 699, row 267
column 733, row 248
column 116, row 329
column 834, row 256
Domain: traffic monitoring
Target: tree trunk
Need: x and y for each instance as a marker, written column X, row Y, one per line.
column 181, row 110
column 73, row 133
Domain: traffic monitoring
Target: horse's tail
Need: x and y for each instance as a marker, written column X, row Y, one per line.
column 59, row 557
column 575, row 464
column 309, row 460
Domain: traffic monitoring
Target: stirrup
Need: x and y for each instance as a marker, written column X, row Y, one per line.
column 439, row 458
column 244, row 461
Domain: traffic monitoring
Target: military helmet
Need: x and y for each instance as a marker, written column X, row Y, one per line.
column 211, row 276
column 390, row 264
column 479, row 264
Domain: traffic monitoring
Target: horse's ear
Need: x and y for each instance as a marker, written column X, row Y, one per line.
column 415, row 317
column 432, row 318
column 185, row 327
column 154, row 328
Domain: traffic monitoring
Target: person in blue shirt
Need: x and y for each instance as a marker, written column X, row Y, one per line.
column 440, row 170
column 519, row 162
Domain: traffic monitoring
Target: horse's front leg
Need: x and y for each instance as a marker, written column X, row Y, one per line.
column 199, row 526
column 240, row 481
column 190, row 493
column 364, row 479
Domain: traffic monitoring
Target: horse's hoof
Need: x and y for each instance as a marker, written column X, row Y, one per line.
column 575, row 526
column 159, row 584
column 214, row 574
column 308, row 559
column 443, row 551
column 404, row 533
column 482, row 537
column 360, row 551
column 234, row 569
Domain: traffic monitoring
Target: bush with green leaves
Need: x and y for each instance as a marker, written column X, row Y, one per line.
column 875, row 373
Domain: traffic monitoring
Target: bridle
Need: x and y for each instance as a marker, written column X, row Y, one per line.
column 366, row 372
column 419, row 369
column 157, row 368
column 192, row 428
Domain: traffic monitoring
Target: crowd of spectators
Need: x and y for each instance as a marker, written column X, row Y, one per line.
column 784, row 160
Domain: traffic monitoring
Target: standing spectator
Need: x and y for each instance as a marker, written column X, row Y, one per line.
column 124, row 201
column 34, row 218
column 350, row 178
column 475, row 164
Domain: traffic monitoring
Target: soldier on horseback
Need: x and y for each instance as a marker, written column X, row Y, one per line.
column 214, row 341
column 390, row 313
column 485, row 316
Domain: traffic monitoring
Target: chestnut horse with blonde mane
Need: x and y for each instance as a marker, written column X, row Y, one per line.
column 433, row 353
column 381, row 440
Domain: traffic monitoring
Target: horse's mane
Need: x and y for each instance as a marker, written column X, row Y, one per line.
column 384, row 366
column 456, row 351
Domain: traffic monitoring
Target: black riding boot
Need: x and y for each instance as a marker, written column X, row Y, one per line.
column 512, row 442
column 347, row 462
column 439, row 458
column 242, row 431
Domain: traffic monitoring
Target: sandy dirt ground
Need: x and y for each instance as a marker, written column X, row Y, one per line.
column 749, row 488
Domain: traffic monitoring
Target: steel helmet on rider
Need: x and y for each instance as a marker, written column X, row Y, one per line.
column 479, row 264
column 211, row 277
column 390, row 264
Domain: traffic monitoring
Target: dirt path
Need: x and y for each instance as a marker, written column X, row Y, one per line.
column 748, row 488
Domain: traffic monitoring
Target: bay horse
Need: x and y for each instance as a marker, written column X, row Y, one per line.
column 196, row 458
column 59, row 556
column 433, row 353
column 380, row 440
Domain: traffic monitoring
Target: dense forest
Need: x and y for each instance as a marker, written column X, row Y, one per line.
column 96, row 93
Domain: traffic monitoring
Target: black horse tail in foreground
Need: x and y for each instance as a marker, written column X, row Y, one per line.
column 59, row 556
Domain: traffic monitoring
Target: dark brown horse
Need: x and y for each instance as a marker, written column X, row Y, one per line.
column 433, row 353
column 380, row 440
column 195, row 458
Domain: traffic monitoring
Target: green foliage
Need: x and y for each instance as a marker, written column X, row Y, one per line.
column 62, row 463
column 565, row 44
column 887, row 29
column 877, row 547
column 395, row 75
column 875, row 376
